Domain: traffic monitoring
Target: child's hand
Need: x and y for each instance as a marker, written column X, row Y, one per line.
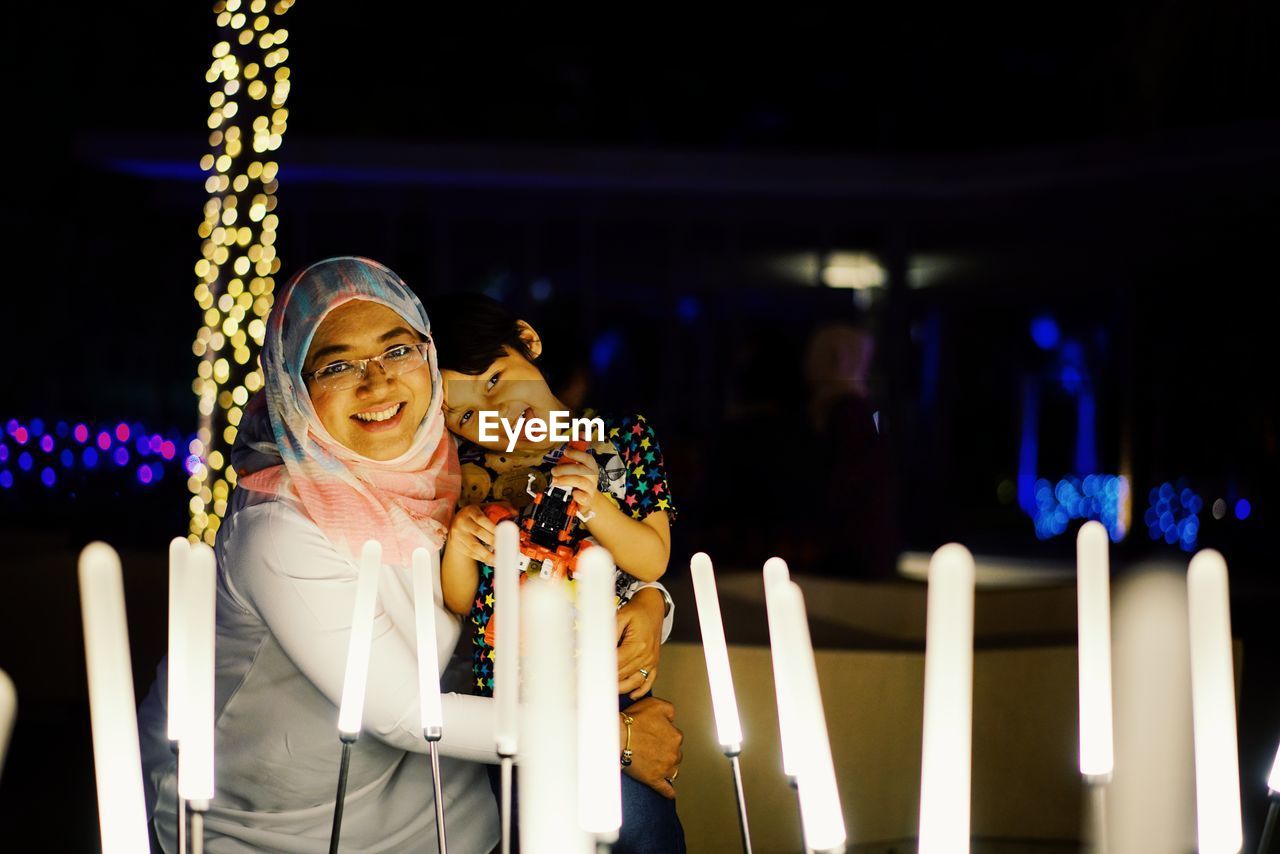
column 582, row 475
column 473, row 532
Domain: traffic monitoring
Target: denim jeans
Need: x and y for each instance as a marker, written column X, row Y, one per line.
column 649, row 822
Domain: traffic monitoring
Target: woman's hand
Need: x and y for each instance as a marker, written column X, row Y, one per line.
column 655, row 745
column 640, row 641
column 579, row 471
column 472, row 532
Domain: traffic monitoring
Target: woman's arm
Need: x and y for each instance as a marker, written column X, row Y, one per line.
column 304, row 590
column 642, row 626
column 655, row 745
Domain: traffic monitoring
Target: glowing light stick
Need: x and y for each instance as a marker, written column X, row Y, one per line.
column 599, row 784
column 506, row 667
column 948, row 703
column 195, row 759
column 1273, row 811
column 548, row 762
column 776, row 573
column 1213, row 706
column 176, row 662
column 426, row 568
column 8, row 711
column 356, row 678
column 506, row 610
column 723, row 701
column 351, row 712
column 820, row 809
column 117, row 760
column 1093, row 591
column 179, row 549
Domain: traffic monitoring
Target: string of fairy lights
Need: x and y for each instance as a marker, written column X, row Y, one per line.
column 235, row 274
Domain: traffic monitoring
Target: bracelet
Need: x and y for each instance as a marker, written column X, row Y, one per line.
column 626, row 751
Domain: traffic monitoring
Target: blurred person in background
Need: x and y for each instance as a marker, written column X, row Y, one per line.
column 802, row 455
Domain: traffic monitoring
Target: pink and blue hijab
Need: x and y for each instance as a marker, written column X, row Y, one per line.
column 283, row 449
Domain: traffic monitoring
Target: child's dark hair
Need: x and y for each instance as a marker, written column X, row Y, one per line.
column 470, row 331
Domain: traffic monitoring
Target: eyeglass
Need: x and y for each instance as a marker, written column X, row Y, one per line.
column 349, row 373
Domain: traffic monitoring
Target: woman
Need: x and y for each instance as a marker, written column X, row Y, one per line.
column 349, row 445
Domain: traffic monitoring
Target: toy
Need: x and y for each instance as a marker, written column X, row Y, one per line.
column 546, row 528
column 546, row 531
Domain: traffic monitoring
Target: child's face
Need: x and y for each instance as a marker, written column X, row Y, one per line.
column 512, row 386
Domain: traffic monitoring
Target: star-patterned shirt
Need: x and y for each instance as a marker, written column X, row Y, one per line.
column 632, row 476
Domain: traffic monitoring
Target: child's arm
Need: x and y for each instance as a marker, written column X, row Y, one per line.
column 642, row 548
column 470, row 543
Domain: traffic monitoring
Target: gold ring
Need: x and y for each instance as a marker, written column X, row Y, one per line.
column 643, row 672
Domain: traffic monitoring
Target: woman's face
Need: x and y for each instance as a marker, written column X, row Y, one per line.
column 378, row 417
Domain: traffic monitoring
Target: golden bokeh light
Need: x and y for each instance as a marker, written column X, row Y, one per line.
column 237, row 240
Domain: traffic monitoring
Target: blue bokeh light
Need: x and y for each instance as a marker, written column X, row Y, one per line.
column 1071, row 378
column 688, row 308
column 605, row 350
column 1045, row 332
column 1173, row 514
column 1095, row 496
column 1243, row 509
column 540, row 289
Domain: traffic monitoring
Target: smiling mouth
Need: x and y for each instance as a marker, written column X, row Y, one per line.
column 378, row 416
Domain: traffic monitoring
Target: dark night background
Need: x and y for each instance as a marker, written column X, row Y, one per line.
column 659, row 197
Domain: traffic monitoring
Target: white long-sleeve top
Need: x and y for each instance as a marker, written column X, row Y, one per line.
column 285, row 599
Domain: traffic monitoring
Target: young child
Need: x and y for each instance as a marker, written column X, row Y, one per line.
column 487, row 362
